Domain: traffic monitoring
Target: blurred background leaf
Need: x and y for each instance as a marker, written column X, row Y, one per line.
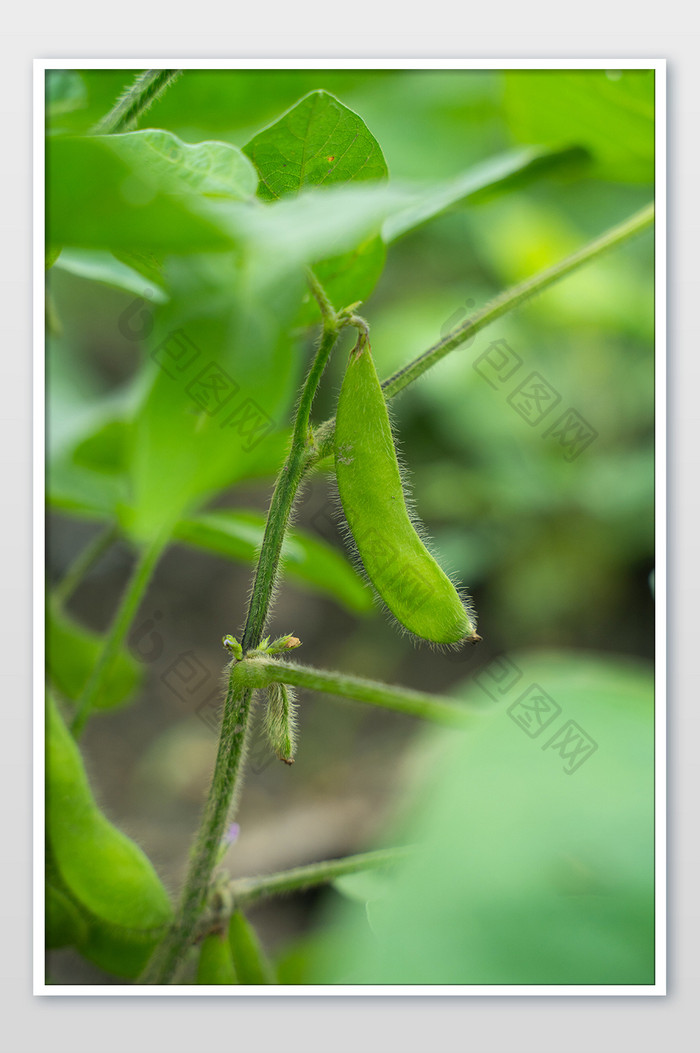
column 611, row 112
column 238, row 535
column 214, row 169
column 526, row 872
column 71, row 654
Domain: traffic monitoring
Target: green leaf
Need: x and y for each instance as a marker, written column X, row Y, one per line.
column 98, row 199
column 87, row 465
column 65, row 91
column 52, row 254
column 347, row 278
column 315, row 143
column 223, row 368
column 222, row 372
column 103, row 267
column 353, row 275
column 484, row 180
column 610, row 113
column 320, row 223
column 148, row 264
column 71, row 655
column 527, row 872
column 105, row 449
column 87, row 494
column 212, row 169
column 305, row 558
column 320, row 142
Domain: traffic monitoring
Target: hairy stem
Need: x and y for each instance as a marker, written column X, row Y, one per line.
column 135, row 100
column 512, row 298
column 245, row 891
column 165, row 962
column 283, row 497
column 260, row 672
column 228, row 770
column 133, row 594
column 503, row 304
column 319, row 293
column 82, row 564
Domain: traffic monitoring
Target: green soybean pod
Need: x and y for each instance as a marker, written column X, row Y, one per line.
column 249, row 959
column 281, row 722
column 105, row 877
column 215, row 965
column 65, row 925
column 405, row 575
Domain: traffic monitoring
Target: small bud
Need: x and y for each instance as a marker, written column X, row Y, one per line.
column 232, row 646
column 284, row 643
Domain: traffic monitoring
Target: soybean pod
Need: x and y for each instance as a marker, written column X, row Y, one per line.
column 215, row 965
column 104, row 896
column 406, row 576
column 249, row 959
column 280, row 721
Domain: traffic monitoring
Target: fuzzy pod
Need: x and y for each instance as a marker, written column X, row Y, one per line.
column 249, row 959
column 280, row 721
column 65, row 925
column 406, row 576
column 101, row 873
column 215, row 963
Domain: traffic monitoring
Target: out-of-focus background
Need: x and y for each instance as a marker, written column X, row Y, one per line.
column 546, row 514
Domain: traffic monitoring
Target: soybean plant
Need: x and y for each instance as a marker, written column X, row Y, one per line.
column 272, row 201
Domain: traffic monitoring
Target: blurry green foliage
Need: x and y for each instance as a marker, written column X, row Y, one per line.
column 308, row 559
column 609, row 111
column 535, row 845
column 71, row 654
column 180, row 327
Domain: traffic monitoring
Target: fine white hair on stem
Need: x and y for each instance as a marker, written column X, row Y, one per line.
column 281, row 721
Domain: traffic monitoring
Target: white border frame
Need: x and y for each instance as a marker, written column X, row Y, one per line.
column 660, row 577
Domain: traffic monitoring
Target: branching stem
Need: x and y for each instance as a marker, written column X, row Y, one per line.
column 260, row 672
column 245, row 891
column 499, row 307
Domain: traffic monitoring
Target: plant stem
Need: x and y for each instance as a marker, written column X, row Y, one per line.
column 507, row 301
column 512, row 298
column 319, row 293
column 128, row 606
column 283, row 497
column 228, row 770
column 205, row 852
column 82, row 563
column 259, row 672
column 245, row 891
column 135, row 100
